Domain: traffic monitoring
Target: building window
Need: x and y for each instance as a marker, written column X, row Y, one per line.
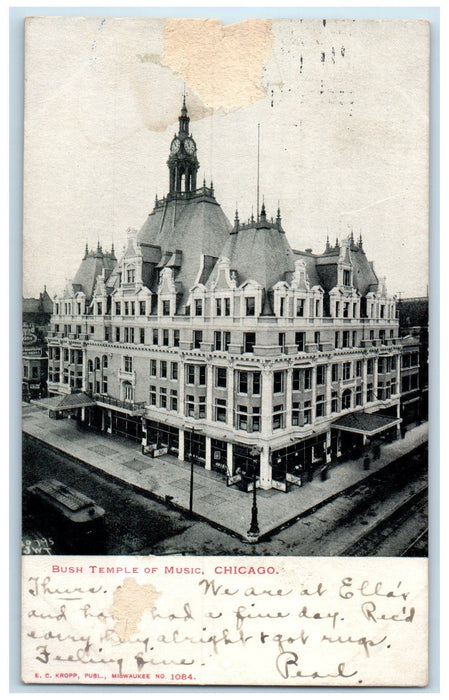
column 256, row 383
column 393, row 363
column 220, row 377
column 382, row 336
column 163, row 369
column 346, row 309
column 307, row 412
column 335, row 373
column 354, row 310
column 197, row 339
column 334, row 402
column 226, row 340
column 317, row 307
column 166, row 307
column 346, row 278
column 142, row 308
column 250, row 306
column 371, row 335
column 198, row 307
column 155, row 336
column 370, row 366
column 300, row 307
column 337, row 339
column 117, row 308
column 104, row 389
column 217, row 340
column 242, row 418
column 117, row 334
column 300, row 341
column 97, row 363
column 126, row 305
column 190, row 374
column 249, row 342
column 281, row 341
column 190, row 405
column 337, row 309
column 320, row 406
column 90, row 366
column 173, row 400
column 295, row 380
column 320, row 374
column 130, row 275
column 358, row 396
column 346, row 399
column 256, row 419
column 99, row 308
column 218, row 307
column 152, row 395
column 142, row 336
column 243, row 382
column 127, row 363
column 307, row 378
column 202, row 377
column 163, row 397
column 165, row 339
column 202, row 407
column 381, row 365
column 358, row 368
column 220, row 410
column 174, row 370
column 176, row 339
column 153, row 366
column 104, row 361
column 346, row 370
column 278, row 382
column 370, row 393
column 25, row 371
column 346, row 339
column 295, row 413
column 129, row 392
column 227, row 306
column 281, row 306
column 278, row 417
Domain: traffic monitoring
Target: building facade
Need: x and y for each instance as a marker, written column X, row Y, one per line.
column 413, row 316
column 36, row 316
column 218, row 342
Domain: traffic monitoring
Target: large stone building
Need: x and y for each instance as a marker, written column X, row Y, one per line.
column 217, row 340
column 36, row 316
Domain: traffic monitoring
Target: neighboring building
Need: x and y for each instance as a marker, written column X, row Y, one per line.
column 220, row 341
column 36, row 315
column 414, row 329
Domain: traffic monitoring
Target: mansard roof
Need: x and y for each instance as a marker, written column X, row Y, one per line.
column 260, row 253
column 92, row 265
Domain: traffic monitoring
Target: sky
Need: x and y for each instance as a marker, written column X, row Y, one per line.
column 343, row 114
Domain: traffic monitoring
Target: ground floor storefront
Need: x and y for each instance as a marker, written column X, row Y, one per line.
column 262, row 464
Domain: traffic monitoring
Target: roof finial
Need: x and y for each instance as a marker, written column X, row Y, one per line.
column 86, row 252
column 328, row 247
column 263, row 213
column 336, row 242
column 211, row 186
column 252, row 213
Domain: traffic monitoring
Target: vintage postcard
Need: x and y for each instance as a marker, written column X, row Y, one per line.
column 225, row 352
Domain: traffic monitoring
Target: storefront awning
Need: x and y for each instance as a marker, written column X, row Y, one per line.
column 65, row 403
column 365, row 423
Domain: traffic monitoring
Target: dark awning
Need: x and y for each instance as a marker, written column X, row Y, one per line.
column 365, row 423
column 65, row 403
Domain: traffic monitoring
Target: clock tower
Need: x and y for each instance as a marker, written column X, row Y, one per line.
column 182, row 162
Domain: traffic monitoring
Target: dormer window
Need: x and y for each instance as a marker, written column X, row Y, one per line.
column 250, row 306
column 99, row 308
column 166, row 308
column 347, row 278
column 300, row 307
column 346, row 309
column 198, row 307
column 130, row 275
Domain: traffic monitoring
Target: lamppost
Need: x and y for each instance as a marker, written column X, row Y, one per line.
column 192, row 461
column 254, row 532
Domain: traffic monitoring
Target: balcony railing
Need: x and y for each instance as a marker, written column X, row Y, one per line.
column 131, row 406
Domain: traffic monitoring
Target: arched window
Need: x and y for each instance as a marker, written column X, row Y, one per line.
column 346, row 399
column 97, row 363
column 105, row 361
column 128, row 391
column 90, row 366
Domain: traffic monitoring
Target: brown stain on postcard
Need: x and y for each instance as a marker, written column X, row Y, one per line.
column 223, row 65
column 130, row 601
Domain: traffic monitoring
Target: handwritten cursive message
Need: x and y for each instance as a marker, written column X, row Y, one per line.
column 234, row 621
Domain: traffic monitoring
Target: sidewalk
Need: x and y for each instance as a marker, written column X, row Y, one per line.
column 227, row 508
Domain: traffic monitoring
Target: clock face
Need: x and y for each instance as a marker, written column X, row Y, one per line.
column 175, row 145
column 189, row 146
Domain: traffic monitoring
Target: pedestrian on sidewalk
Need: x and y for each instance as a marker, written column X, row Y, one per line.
column 376, row 452
column 366, row 462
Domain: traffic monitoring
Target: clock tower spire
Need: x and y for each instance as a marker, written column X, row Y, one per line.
column 182, row 162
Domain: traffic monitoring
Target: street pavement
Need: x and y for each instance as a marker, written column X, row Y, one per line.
column 225, row 507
